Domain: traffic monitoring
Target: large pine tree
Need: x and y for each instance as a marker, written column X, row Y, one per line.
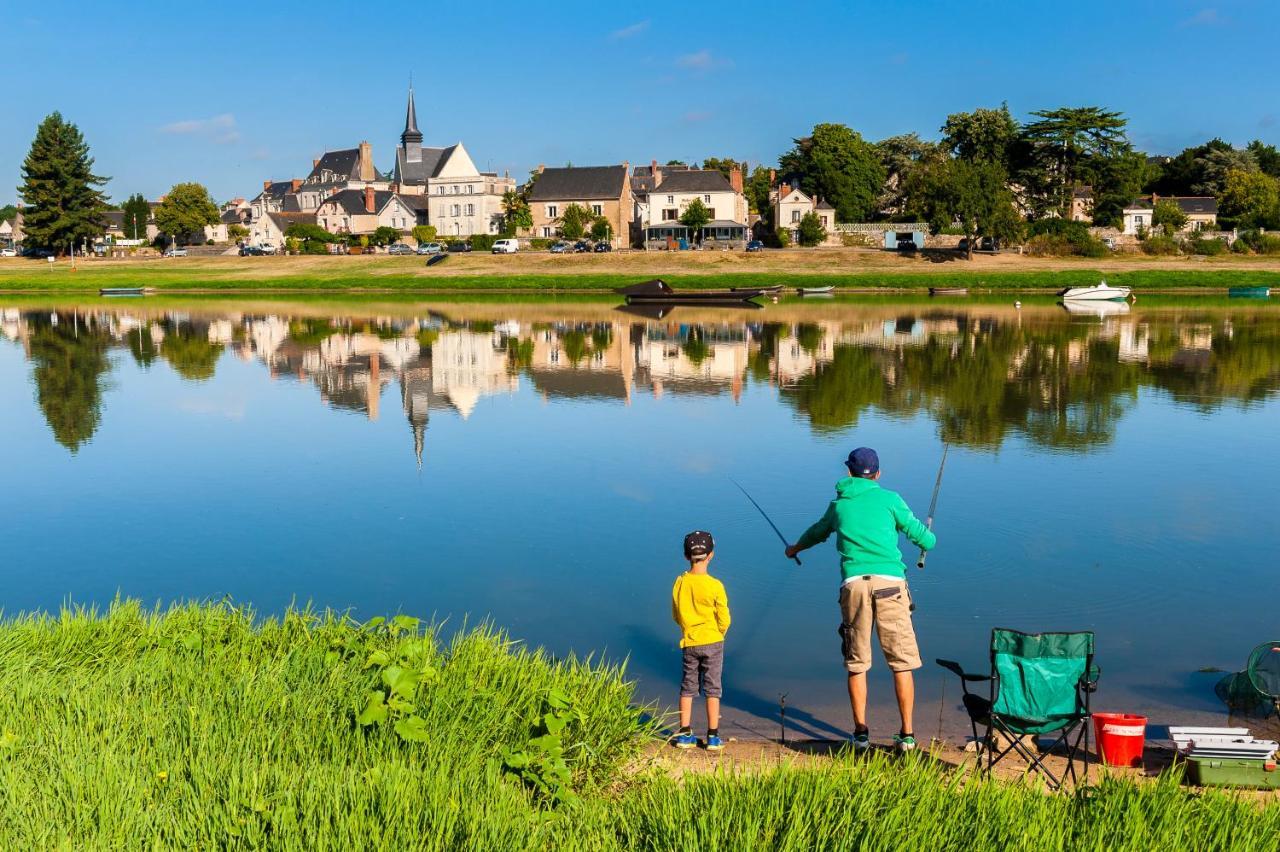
column 63, row 204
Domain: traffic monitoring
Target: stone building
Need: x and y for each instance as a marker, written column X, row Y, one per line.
column 603, row 190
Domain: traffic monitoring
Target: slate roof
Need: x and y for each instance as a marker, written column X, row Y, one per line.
column 345, row 164
column 823, row 204
column 351, row 201
column 1206, row 206
column 277, row 190
column 290, row 204
column 232, row 217
column 114, row 219
column 579, row 183
column 694, row 180
column 412, row 174
column 284, row 220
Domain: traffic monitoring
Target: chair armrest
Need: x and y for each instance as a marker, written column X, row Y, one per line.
column 1089, row 680
column 964, row 676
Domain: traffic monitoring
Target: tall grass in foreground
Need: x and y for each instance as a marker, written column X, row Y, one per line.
column 199, row 727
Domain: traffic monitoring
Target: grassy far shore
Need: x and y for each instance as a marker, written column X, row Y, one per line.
column 848, row 269
column 203, row 727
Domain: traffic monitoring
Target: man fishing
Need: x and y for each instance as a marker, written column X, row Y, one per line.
column 873, row 590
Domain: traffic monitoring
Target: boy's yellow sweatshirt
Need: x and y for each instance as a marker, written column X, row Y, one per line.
column 701, row 608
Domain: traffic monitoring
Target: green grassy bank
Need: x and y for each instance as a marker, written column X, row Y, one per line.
column 199, row 727
column 174, row 278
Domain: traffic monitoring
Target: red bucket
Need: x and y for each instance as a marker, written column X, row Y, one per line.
column 1120, row 738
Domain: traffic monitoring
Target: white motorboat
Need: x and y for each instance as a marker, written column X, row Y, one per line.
column 1102, row 293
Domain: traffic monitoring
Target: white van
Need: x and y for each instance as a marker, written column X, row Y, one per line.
column 506, row 246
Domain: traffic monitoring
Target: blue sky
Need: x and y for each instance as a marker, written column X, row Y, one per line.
column 239, row 93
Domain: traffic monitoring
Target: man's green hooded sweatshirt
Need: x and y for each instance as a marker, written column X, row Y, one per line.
column 866, row 520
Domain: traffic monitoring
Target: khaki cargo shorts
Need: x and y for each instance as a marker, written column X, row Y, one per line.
column 885, row 603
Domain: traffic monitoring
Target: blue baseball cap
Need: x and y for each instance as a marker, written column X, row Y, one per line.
column 863, row 462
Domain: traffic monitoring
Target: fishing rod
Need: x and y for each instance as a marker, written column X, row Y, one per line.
column 933, row 504
column 765, row 516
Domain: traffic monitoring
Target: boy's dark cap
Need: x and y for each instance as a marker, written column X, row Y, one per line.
column 698, row 543
column 863, row 462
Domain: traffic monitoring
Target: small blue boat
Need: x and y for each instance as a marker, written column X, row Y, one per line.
column 1259, row 292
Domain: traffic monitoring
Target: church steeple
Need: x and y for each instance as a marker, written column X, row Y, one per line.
column 411, row 139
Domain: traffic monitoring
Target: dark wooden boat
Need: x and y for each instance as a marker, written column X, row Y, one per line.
column 437, row 258
column 657, row 292
column 122, row 291
column 948, row 291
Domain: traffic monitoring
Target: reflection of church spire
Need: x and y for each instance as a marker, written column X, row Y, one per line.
column 415, row 396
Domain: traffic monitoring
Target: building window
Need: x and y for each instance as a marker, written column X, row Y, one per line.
column 439, row 190
column 671, row 199
column 552, row 211
column 670, row 214
column 454, row 189
column 597, row 209
column 546, row 232
column 795, row 215
column 453, row 211
column 344, row 221
column 470, row 189
column 824, row 221
column 711, row 212
column 706, row 199
column 471, row 210
column 1137, row 221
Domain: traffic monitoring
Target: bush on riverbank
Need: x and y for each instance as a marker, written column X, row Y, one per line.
column 199, row 728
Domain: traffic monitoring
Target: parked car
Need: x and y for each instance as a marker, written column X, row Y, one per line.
column 603, row 247
column 8, row 252
column 252, row 251
column 399, row 248
column 989, row 244
column 559, row 248
column 755, row 245
column 175, row 252
column 38, row 253
column 430, row 248
column 582, row 246
column 459, row 246
column 507, row 246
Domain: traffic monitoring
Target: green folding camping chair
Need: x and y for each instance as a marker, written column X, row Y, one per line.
column 1040, row 685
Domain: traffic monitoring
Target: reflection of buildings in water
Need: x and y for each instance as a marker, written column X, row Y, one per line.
column 415, row 397
column 602, row 370
column 466, row 366
column 1135, row 342
column 700, row 360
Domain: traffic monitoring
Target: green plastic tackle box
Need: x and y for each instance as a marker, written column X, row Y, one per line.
column 1232, row 772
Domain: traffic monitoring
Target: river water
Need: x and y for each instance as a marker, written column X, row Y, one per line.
column 538, row 462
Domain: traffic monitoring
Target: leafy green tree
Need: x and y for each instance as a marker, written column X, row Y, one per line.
column 900, row 156
column 601, row 230
column 424, row 233
column 1068, row 145
column 384, row 235
column 724, row 165
column 973, row 196
column 310, row 231
column 676, row 163
column 784, row 237
column 695, row 217
column 837, row 164
column 1116, row 182
column 8, row 212
column 811, row 231
column 185, row 210
column 1252, row 199
column 237, row 232
column 1168, row 215
column 574, row 221
column 1266, row 156
column 136, row 214
column 70, row 365
column 756, row 188
column 1202, row 170
column 515, row 210
column 982, row 136
column 64, row 206
column 1216, row 165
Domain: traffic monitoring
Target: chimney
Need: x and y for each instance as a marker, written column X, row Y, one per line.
column 735, row 180
column 784, row 189
column 295, row 185
column 266, row 184
column 366, row 161
column 773, row 177
column 541, row 168
column 315, row 162
column 369, row 206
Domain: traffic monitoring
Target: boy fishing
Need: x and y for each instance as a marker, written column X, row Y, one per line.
column 873, row 590
column 701, row 608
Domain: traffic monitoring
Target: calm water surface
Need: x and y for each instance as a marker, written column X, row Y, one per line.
column 538, row 464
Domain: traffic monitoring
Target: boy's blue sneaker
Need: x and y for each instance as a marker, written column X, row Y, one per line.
column 861, row 741
column 714, row 743
column 686, row 741
column 903, row 743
